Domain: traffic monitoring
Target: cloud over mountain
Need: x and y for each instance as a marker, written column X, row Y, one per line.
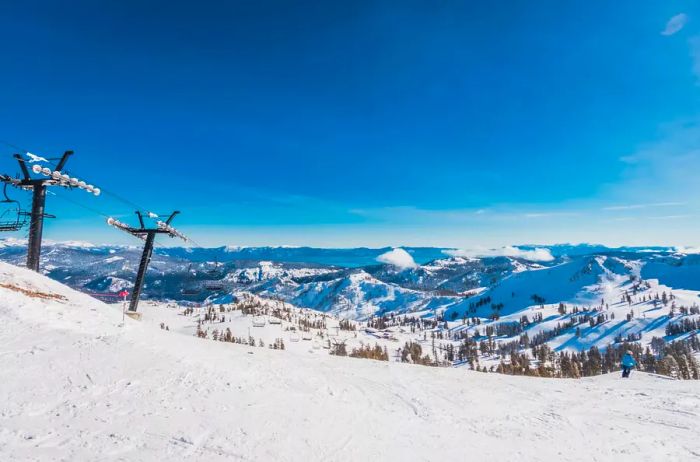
column 537, row 254
column 397, row 257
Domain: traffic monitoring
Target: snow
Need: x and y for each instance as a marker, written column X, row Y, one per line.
column 72, row 244
column 34, row 158
column 357, row 296
column 78, row 385
column 109, row 284
column 596, row 285
column 113, row 259
column 12, row 242
column 448, row 262
column 266, row 270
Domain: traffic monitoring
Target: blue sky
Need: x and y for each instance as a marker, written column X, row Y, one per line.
column 364, row 123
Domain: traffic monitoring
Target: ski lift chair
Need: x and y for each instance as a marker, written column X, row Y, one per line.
column 214, row 276
column 12, row 217
column 191, row 287
column 216, row 272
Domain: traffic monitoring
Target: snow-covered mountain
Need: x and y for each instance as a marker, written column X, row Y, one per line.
column 355, row 295
column 453, row 275
column 349, row 258
column 494, row 288
column 265, row 270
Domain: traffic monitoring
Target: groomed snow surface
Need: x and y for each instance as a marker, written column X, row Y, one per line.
column 76, row 385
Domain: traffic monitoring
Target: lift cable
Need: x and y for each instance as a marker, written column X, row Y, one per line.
column 52, row 161
column 94, row 210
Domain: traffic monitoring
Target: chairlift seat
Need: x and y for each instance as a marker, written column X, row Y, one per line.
column 12, row 217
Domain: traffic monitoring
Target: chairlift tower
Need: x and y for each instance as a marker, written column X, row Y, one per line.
column 54, row 177
column 149, row 236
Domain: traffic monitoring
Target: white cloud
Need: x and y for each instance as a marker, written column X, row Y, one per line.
column 669, row 217
column 660, row 172
column 643, row 206
column 397, row 257
column 537, row 254
column 675, row 24
column 551, row 214
column 688, row 250
column 411, row 214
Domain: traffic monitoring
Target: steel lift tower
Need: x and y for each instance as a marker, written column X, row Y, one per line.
column 149, row 236
column 54, row 177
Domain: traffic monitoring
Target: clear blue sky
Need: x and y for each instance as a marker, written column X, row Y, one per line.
column 365, row 123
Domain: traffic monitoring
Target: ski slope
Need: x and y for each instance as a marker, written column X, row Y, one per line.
column 77, row 384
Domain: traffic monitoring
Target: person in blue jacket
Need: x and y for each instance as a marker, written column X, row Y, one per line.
column 628, row 363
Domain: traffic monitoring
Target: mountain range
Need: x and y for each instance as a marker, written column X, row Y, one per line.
column 354, row 283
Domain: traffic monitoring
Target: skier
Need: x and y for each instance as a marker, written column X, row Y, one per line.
column 628, row 363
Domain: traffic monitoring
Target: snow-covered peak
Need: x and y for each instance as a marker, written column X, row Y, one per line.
column 13, row 242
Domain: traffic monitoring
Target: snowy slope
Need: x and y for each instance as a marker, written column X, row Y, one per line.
column 77, row 386
column 356, row 295
column 562, row 283
column 595, row 286
column 266, row 270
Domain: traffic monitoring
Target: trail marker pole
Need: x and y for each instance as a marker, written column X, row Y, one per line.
column 123, row 294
